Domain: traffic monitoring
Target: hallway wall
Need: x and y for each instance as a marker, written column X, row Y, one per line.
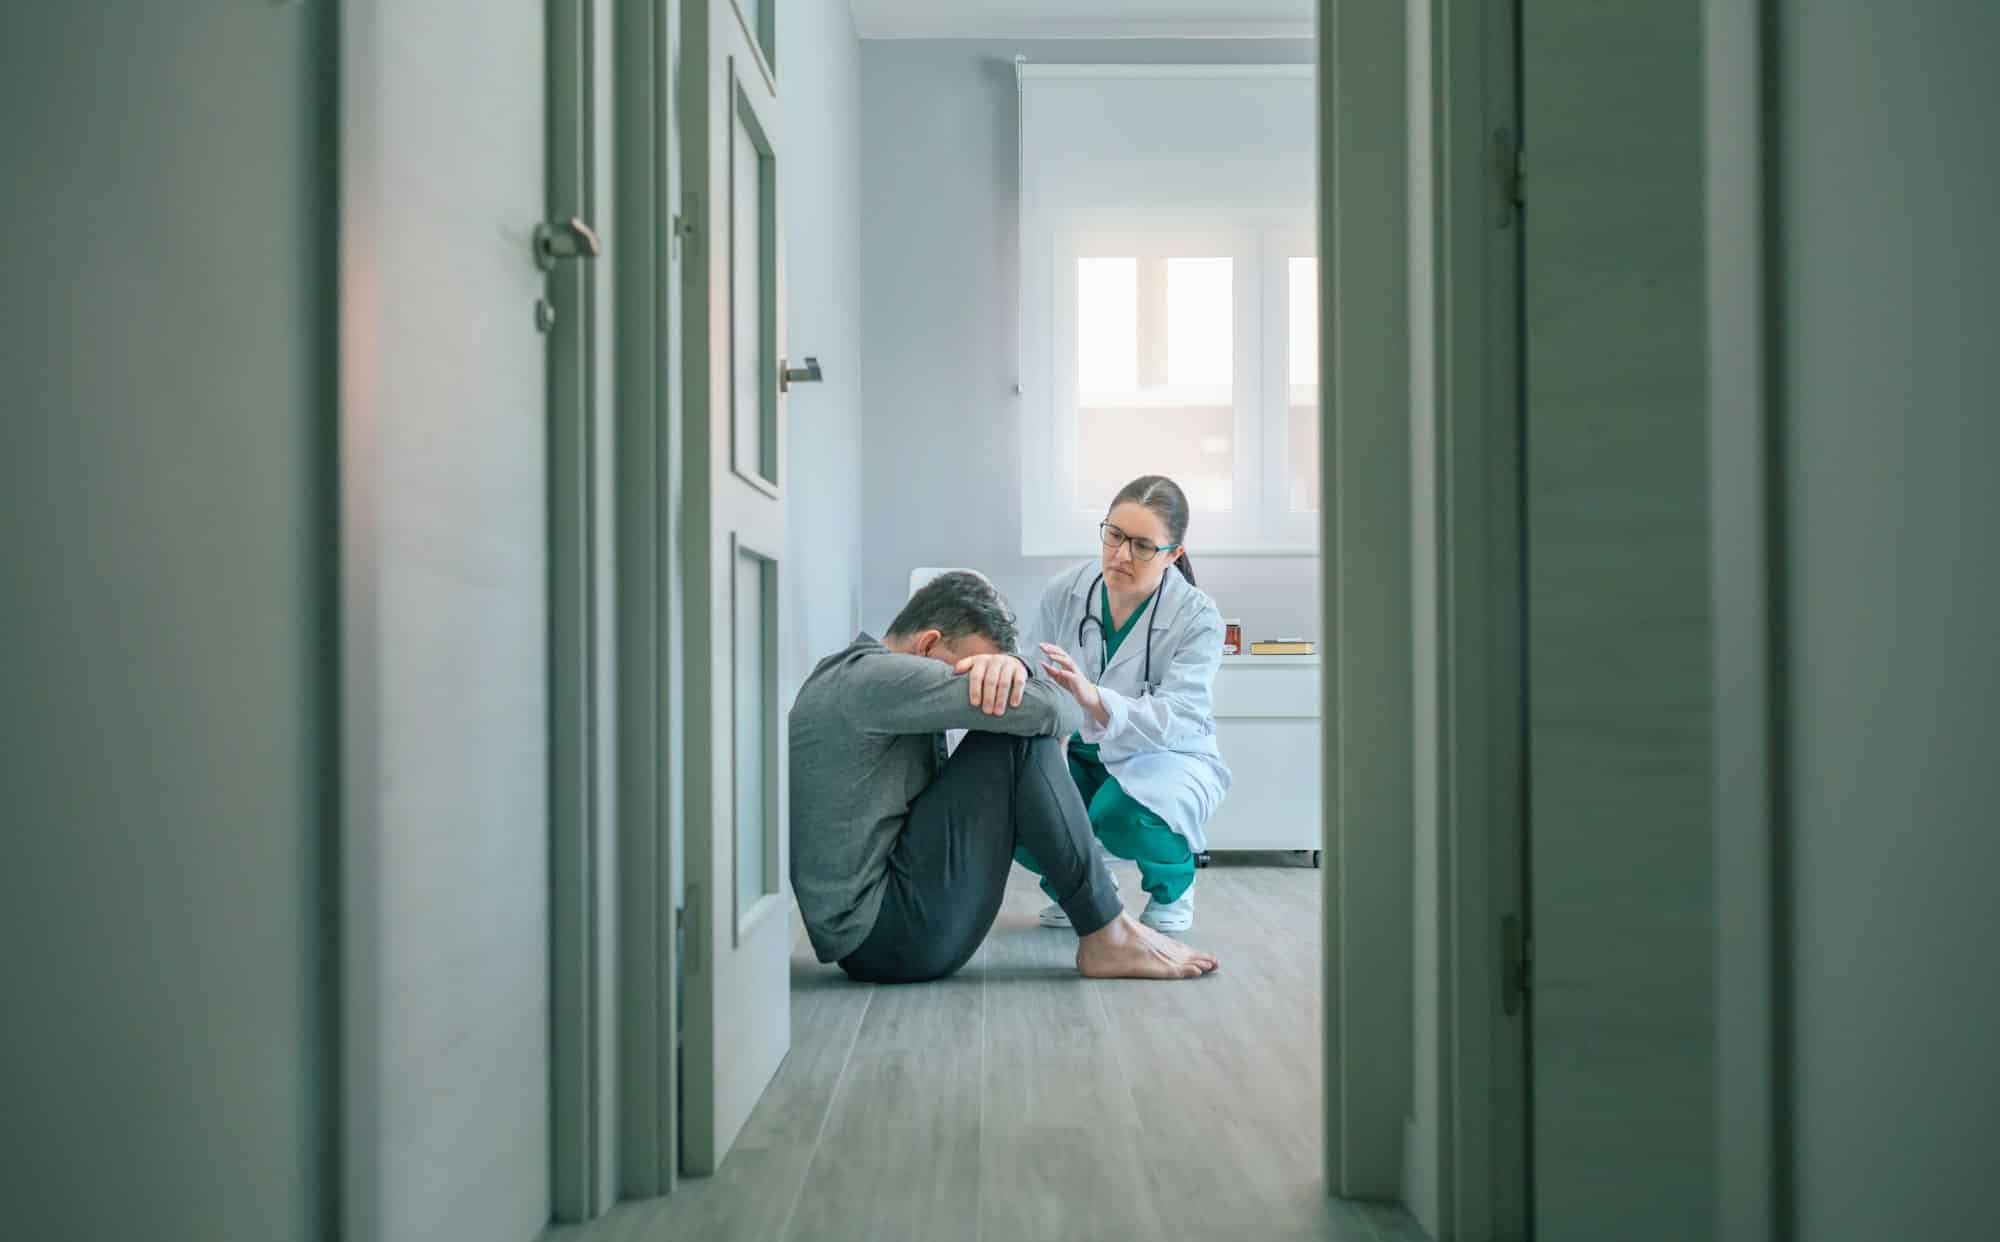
column 820, row 85
column 1888, row 267
column 166, row 1056
column 445, row 483
column 940, row 331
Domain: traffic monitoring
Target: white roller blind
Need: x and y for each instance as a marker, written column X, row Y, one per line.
column 1160, row 206
column 1172, row 136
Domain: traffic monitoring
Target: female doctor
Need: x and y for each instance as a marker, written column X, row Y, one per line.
column 1137, row 644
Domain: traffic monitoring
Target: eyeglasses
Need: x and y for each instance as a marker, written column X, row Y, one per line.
column 1142, row 549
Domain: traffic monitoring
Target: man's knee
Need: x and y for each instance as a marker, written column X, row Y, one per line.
column 1010, row 748
column 986, row 758
column 978, row 740
column 983, row 737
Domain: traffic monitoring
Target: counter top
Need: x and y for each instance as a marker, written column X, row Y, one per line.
column 1270, row 661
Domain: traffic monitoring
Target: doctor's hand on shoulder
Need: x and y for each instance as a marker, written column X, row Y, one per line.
column 996, row 681
column 1061, row 666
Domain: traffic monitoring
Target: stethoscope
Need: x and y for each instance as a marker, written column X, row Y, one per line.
column 1090, row 618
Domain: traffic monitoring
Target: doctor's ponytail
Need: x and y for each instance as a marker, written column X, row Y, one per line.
column 1167, row 501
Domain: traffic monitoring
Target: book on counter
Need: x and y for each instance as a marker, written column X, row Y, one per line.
column 1282, row 646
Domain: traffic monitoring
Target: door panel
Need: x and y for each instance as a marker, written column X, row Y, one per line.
column 755, row 638
column 753, row 241
column 1619, row 856
column 737, row 950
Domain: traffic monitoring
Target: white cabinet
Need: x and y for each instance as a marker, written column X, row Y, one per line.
column 1267, row 724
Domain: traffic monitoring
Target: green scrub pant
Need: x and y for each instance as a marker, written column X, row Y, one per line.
column 1128, row 830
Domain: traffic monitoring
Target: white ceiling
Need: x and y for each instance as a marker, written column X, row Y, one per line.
column 1027, row 19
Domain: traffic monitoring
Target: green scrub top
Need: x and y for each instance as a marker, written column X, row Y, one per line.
column 1113, row 638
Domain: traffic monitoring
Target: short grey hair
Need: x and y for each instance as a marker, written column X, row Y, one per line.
column 957, row 604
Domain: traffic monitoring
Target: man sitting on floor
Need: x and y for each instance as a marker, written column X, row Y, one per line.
column 899, row 855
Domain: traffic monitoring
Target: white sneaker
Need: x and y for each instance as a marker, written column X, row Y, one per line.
column 1174, row 916
column 1052, row 915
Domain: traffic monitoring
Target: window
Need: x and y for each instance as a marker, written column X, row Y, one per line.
column 1155, row 366
column 1168, row 328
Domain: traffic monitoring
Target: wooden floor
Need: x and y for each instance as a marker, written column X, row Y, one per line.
column 1017, row 1100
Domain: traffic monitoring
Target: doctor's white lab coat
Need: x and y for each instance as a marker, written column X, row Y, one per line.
column 1160, row 743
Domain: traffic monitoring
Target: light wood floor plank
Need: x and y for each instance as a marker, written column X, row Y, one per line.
column 1062, row 1152
column 898, row 1160
column 1019, row 1101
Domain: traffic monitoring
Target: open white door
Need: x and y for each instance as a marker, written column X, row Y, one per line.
column 738, row 932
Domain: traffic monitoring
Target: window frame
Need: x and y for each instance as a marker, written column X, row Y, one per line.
column 1259, row 242
column 1284, row 524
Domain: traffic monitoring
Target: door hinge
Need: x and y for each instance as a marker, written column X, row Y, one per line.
column 1517, row 964
column 1510, row 173
column 691, row 925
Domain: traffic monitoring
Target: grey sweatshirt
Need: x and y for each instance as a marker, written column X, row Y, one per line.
column 865, row 741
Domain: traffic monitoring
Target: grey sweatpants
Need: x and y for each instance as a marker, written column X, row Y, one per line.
column 948, row 870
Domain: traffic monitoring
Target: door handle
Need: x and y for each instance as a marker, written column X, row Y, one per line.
column 572, row 239
column 807, row 374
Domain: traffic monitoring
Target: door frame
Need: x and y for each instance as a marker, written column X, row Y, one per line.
column 1365, row 528
column 1375, row 1145
column 616, row 678
column 1747, row 556
column 1483, row 1158
column 645, row 186
column 578, row 403
column 1483, row 1066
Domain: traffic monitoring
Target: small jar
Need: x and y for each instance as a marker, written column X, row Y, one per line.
column 1232, row 637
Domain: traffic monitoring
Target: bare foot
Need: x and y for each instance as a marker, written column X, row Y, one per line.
column 1125, row 948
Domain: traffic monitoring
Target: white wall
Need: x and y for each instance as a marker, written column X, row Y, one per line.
column 820, row 93
column 939, row 340
column 1888, row 265
column 445, row 624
